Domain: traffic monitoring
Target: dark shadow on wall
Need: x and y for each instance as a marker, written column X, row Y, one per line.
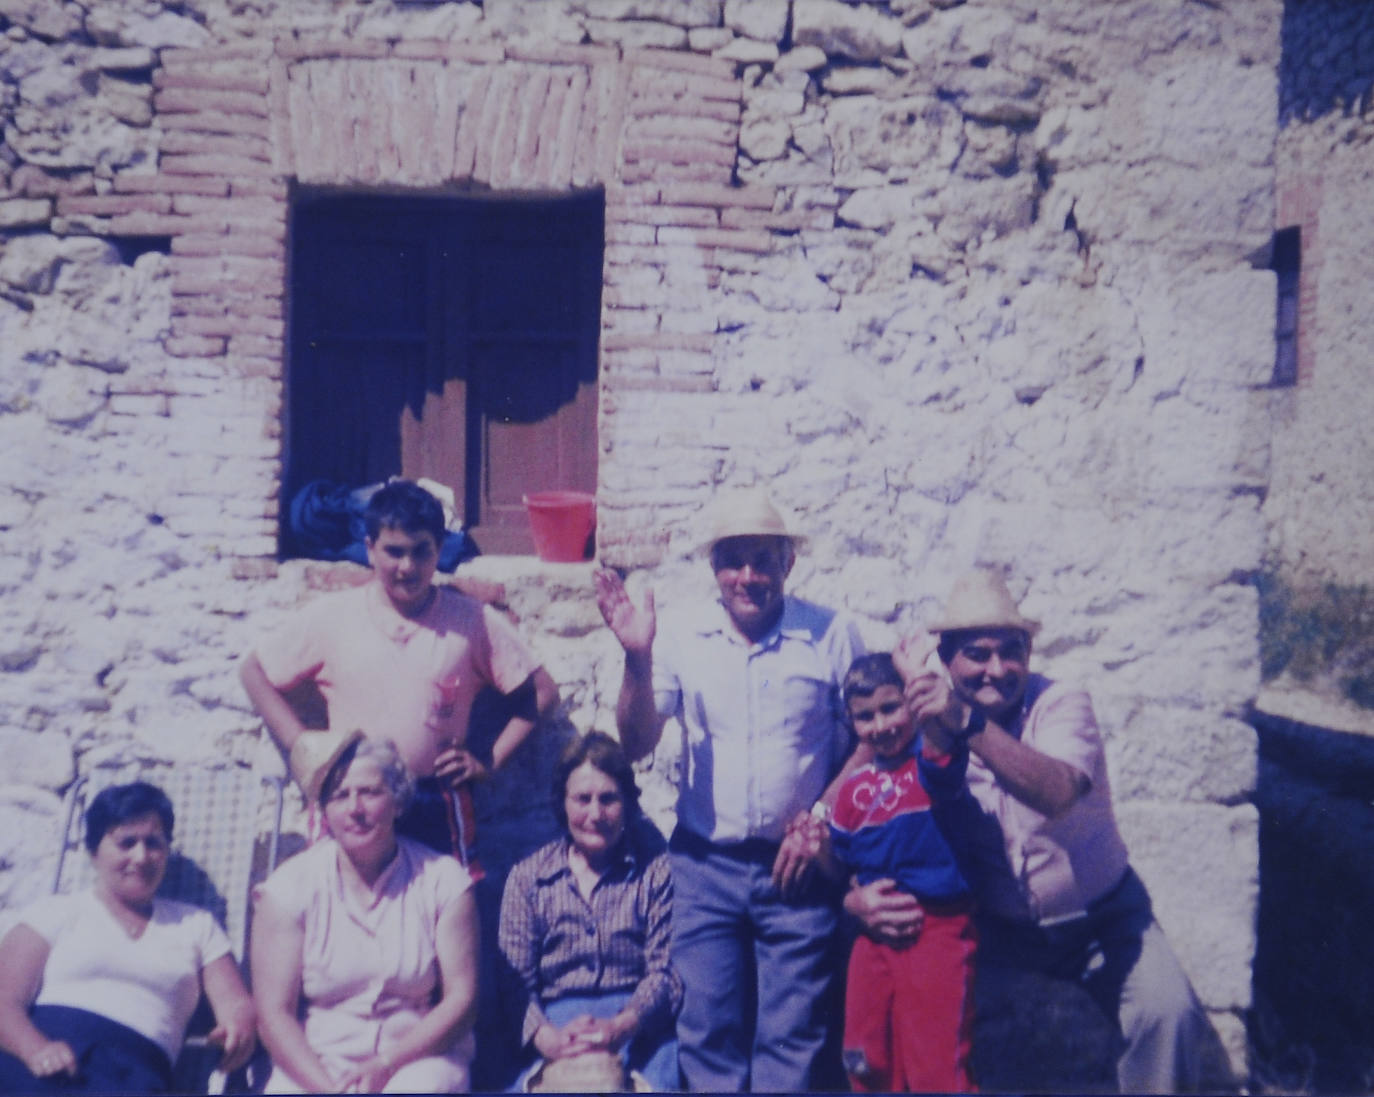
column 1326, row 60
column 1312, row 1025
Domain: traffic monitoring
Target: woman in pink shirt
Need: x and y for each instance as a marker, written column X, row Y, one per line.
column 375, row 934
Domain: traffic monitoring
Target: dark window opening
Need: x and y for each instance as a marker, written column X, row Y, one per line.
column 1288, row 267
column 130, row 248
column 449, row 338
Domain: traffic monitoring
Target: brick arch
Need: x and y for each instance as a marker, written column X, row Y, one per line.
column 658, row 130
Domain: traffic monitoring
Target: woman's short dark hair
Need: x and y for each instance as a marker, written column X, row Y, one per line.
column 605, row 754
column 119, row 804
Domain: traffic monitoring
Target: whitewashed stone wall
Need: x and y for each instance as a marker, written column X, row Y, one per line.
column 975, row 283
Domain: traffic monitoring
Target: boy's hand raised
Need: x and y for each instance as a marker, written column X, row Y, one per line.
column 927, row 692
column 912, row 653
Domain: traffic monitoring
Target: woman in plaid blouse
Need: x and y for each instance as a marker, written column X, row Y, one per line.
column 585, row 923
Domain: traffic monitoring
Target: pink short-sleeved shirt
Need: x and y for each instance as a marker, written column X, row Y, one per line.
column 412, row 681
column 368, row 974
column 1060, row 865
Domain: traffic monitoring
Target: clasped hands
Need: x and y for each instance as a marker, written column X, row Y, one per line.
column 583, row 1034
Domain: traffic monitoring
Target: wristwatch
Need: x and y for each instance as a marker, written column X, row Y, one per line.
column 977, row 721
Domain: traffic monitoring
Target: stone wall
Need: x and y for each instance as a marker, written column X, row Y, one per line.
column 966, row 283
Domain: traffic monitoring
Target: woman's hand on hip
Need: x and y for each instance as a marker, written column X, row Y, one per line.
column 458, row 765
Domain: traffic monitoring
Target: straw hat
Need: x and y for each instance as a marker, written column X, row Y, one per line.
column 746, row 512
column 314, row 754
column 979, row 600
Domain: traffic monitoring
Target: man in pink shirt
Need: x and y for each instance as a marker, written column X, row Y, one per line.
column 403, row 659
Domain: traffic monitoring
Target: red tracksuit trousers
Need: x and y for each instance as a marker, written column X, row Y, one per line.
column 909, row 1012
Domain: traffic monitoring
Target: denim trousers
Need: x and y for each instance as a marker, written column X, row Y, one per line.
column 757, row 970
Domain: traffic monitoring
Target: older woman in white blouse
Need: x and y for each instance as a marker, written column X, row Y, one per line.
column 377, row 935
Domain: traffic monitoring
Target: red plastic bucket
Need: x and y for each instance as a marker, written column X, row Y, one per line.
column 562, row 523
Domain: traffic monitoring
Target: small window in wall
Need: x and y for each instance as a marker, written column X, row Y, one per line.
column 450, row 338
column 1288, row 267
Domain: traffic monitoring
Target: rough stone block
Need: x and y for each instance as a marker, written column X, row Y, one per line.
column 801, row 59
column 637, row 34
column 764, row 20
column 747, row 51
column 1204, row 889
column 139, row 405
column 127, row 59
column 863, row 34
column 857, row 80
column 1216, row 329
column 16, row 213
column 1164, row 752
column 684, row 13
column 708, row 39
column 1217, row 445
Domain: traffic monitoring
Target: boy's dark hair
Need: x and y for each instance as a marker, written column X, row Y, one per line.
column 867, row 674
column 605, row 754
column 404, row 505
column 952, row 640
column 119, row 804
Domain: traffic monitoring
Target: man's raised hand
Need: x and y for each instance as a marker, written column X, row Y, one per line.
column 632, row 625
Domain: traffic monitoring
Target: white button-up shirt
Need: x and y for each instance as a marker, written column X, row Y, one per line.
column 763, row 731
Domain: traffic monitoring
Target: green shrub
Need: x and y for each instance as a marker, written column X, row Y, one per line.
column 1321, row 634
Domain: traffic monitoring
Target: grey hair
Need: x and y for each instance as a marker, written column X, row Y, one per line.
column 383, row 754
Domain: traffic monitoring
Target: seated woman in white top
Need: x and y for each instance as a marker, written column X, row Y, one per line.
column 374, row 934
column 97, row 987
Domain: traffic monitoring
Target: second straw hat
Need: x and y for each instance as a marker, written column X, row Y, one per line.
column 980, row 599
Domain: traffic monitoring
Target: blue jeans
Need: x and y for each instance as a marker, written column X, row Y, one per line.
column 757, row 971
column 652, row 1054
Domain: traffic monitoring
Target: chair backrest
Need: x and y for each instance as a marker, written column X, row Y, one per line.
column 218, row 811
